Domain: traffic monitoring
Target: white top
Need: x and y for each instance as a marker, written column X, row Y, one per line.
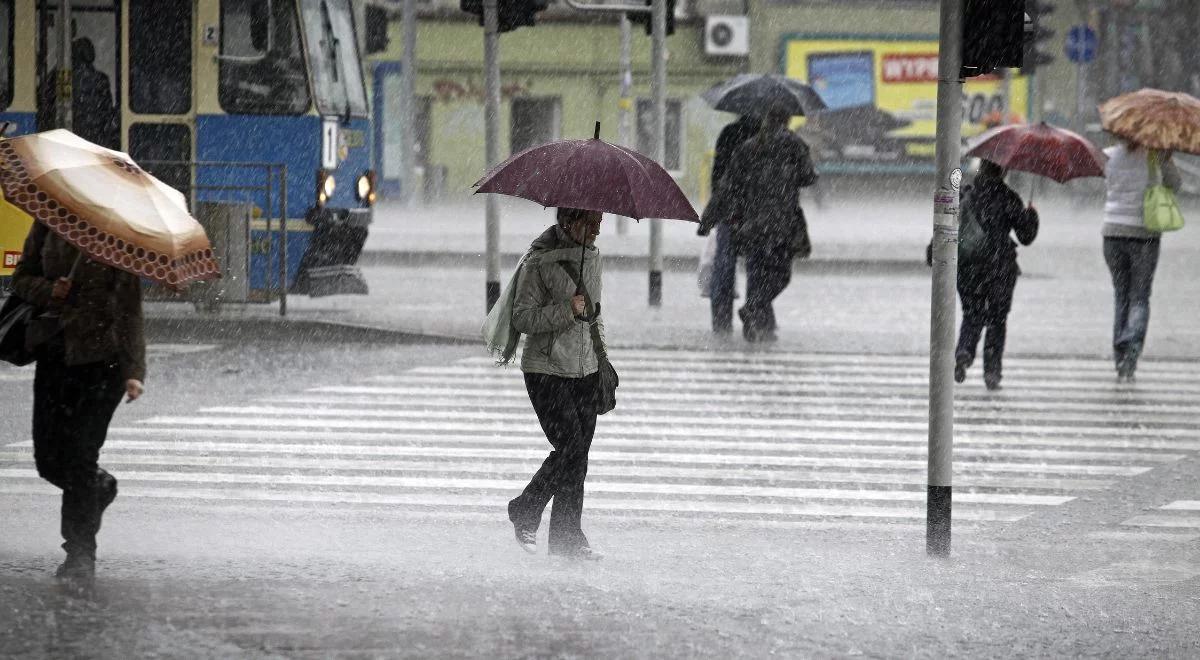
column 1127, row 175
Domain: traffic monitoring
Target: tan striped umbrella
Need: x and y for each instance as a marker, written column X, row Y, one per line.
column 1155, row 119
column 101, row 202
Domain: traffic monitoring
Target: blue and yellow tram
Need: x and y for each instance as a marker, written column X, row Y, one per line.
column 258, row 102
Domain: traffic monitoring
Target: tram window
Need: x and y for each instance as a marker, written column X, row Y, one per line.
column 333, row 54
column 262, row 71
column 160, row 56
column 6, row 53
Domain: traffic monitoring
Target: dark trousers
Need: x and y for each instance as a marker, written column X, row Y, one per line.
column 986, row 300
column 1132, row 263
column 724, row 281
column 568, row 417
column 768, row 272
column 72, row 407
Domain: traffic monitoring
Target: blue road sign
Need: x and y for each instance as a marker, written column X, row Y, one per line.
column 1082, row 44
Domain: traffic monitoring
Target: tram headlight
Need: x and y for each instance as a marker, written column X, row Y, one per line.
column 325, row 187
column 366, row 187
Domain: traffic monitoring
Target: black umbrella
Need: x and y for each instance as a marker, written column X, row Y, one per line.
column 752, row 94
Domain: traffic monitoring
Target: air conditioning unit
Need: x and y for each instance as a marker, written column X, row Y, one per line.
column 727, row 35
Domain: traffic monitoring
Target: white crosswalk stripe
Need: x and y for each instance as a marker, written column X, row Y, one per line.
column 1181, row 517
column 10, row 374
column 737, row 438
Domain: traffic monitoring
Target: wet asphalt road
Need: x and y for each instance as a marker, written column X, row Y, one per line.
column 269, row 578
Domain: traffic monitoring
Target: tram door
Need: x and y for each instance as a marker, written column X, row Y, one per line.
column 96, row 69
column 160, row 114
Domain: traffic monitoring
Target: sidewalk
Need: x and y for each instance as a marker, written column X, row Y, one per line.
column 865, row 290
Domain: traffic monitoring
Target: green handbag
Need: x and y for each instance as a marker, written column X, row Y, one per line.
column 1160, row 211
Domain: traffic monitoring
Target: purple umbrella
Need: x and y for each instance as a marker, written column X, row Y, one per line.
column 592, row 175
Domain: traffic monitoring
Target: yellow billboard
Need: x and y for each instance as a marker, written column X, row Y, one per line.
column 882, row 96
column 14, row 226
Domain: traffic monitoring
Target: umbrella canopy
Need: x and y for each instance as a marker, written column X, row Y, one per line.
column 1155, row 119
column 593, row 175
column 752, row 94
column 1039, row 149
column 98, row 200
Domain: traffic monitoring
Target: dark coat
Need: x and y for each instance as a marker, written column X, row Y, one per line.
column 1000, row 212
column 93, row 115
column 102, row 316
column 731, row 137
column 762, row 187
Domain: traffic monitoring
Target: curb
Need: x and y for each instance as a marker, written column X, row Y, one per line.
column 201, row 329
column 671, row 263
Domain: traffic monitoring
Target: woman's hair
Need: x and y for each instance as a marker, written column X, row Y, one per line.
column 567, row 215
column 990, row 169
column 776, row 117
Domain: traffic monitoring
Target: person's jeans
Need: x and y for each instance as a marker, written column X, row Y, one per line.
column 565, row 410
column 1132, row 263
column 986, row 301
column 72, row 407
column 768, row 273
column 724, row 281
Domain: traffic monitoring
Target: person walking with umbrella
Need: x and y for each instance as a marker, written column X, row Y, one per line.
column 102, row 225
column 762, row 190
column 554, row 299
column 724, row 269
column 1150, row 124
column 990, row 215
column 987, row 268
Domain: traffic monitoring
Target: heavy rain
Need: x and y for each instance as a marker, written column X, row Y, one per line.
column 599, row 328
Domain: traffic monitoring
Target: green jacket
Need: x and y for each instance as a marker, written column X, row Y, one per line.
column 102, row 317
column 557, row 343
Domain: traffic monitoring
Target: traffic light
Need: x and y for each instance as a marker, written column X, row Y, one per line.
column 1036, row 35
column 993, row 35
column 644, row 18
column 513, row 13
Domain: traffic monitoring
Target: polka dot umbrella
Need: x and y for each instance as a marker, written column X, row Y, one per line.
column 101, row 202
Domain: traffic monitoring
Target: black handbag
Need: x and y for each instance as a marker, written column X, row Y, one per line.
column 607, row 380
column 15, row 317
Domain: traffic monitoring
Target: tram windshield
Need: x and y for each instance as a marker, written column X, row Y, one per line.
column 262, row 64
column 333, row 56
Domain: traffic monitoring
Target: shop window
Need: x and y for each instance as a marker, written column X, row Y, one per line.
column 263, row 71
column 160, row 56
column 673, row 160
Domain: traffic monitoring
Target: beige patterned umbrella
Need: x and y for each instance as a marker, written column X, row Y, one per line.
column 1155, row 119
column 101, row 202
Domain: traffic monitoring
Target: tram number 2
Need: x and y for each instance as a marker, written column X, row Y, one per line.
column 978, row 106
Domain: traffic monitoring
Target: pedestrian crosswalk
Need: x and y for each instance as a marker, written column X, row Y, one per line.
column 10, row 374
column 758, row 438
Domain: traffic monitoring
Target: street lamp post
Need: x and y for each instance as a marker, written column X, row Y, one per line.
column 945, row 275
column 408, row 84
column 658, row 53
column 491, row 114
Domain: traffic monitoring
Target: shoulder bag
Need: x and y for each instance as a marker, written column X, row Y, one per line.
column 1160, row 211
column 605, row 396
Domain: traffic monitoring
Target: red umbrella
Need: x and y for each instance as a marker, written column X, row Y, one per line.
column 592, row 175
column 1040, row 149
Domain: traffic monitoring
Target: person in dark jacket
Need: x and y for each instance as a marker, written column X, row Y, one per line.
column 92, row 351
column 988, row 277
column 561, row 366
column 724, row 267
column 762, row 189
column 93, row 114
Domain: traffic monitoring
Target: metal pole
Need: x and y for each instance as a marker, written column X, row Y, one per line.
column 1079, row 107
column 283, row 240
column 491, row 116
column 408, row 86
column 945, row 275
column 625, row 103
column 63, row 92
column 658, row 53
